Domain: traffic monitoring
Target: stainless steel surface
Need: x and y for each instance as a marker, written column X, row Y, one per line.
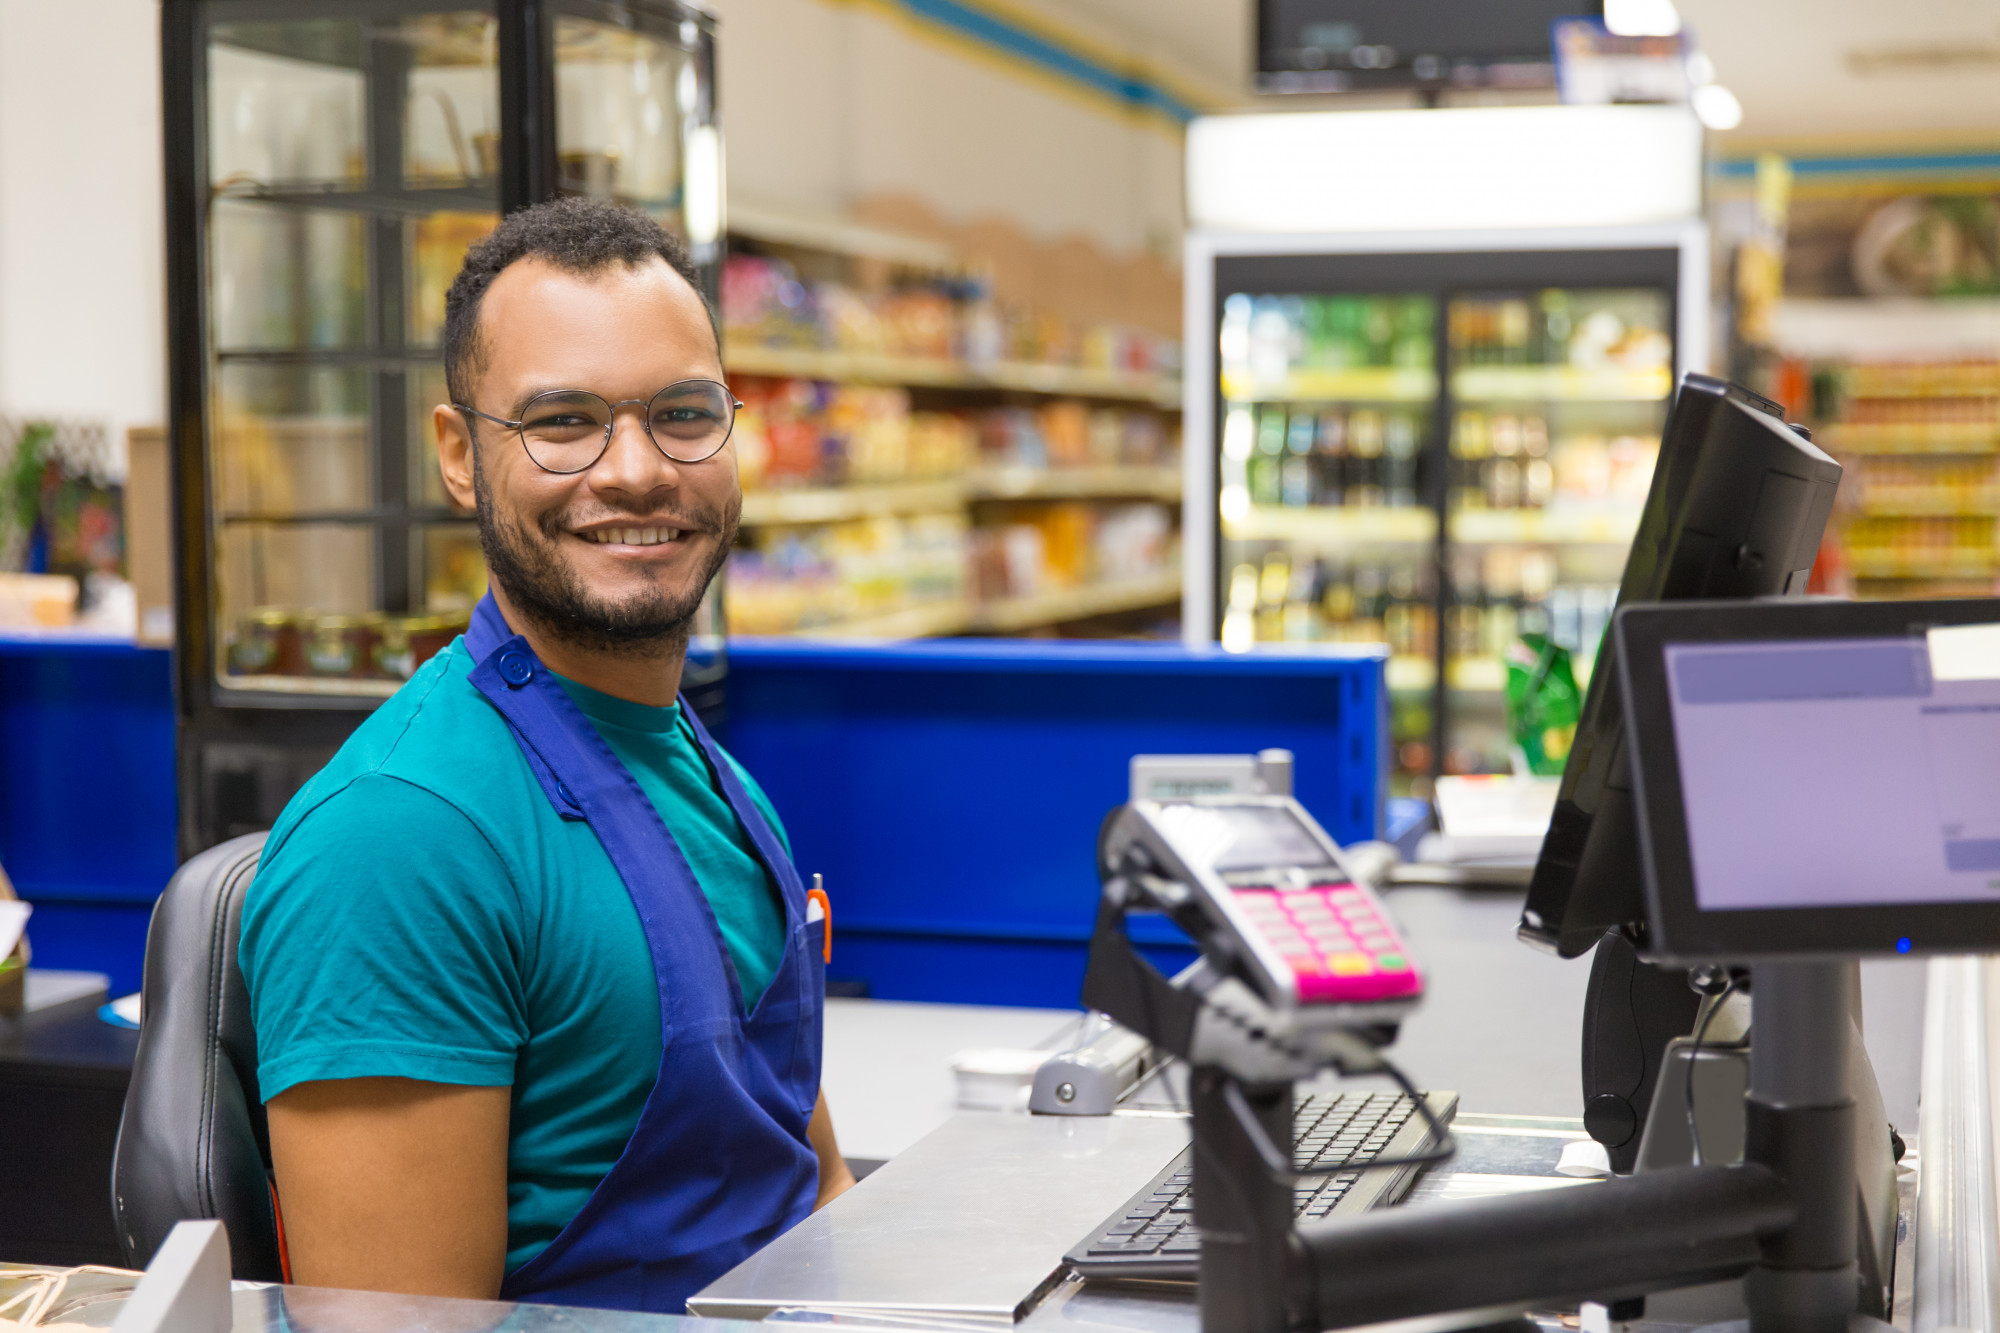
column 1958, row 1241
column 973, row 1221
column 93, row 1299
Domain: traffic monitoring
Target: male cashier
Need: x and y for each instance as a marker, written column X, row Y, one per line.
column 536, row 992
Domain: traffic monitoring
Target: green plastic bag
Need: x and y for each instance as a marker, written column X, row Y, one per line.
column 1543, row 704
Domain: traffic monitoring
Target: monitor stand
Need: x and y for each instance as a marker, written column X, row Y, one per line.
column 1800, row 1123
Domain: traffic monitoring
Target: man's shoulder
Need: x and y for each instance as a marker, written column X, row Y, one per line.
column 436, row 740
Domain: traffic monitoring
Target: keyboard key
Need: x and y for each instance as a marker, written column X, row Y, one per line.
column 1350, row 965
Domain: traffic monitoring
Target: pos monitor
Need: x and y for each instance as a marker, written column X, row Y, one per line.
column 1736, row 509
column 1816, row 778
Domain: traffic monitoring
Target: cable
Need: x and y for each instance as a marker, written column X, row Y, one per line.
column 1694, row 1058
column 1282, row 1168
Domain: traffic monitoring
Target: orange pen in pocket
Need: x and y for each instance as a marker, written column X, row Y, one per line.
column 816, row 897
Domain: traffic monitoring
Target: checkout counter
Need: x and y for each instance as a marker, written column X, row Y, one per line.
column 965, row 1230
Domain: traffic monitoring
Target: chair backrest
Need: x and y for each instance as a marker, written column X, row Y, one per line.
column 193, row 1143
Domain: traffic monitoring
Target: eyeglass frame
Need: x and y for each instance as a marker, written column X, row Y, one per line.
column 611, row 426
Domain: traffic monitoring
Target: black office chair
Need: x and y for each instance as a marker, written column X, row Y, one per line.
column 192, row 1143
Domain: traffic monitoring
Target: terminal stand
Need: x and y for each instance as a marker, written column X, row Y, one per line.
column 1785, row 1218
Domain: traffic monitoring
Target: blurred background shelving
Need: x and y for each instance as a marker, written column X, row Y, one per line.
column 921, row 456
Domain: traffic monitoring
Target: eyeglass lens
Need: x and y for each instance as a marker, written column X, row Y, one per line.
column 568, row 430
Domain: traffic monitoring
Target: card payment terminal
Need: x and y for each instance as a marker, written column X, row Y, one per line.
column 1271, row 889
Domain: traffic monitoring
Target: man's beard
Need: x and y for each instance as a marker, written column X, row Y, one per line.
column 545, row 590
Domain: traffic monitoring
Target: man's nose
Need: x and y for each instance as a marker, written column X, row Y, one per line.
column 632, row 462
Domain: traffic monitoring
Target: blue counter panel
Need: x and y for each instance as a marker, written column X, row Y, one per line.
column 87, row 795
column 951, row 792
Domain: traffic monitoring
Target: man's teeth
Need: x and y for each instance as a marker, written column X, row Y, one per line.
column 631, row 536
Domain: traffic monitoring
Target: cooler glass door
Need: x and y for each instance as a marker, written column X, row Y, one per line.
column 1557, row 398
column 1327, row 519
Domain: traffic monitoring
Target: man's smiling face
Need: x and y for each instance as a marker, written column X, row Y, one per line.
column 621, row 552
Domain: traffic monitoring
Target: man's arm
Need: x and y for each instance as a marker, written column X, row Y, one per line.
column 834, row 1177
column 390, row 1184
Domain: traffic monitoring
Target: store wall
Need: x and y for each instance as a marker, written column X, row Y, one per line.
column 82, row 250
column 827, row 103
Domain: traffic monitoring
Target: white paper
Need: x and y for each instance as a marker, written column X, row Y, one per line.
column 13, row 920
column 1496, row 807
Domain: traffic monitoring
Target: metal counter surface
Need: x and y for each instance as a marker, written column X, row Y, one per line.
column 971, row 1222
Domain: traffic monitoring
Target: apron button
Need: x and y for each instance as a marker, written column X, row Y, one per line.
column 515, row 669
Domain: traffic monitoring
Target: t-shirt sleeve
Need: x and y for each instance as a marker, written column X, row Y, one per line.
column 383, row 937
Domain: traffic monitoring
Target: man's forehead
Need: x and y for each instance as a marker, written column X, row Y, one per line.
column 538, row 307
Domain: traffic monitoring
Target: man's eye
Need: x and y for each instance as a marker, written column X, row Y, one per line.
column 562, row 421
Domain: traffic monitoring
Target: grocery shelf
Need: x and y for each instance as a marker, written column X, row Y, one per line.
column 1410, row 675
column 1478, row 675
column 322, row 686
column 1469, row 675
column 1976, row 562
column 1915, row 437
column 1978, row 379
column 1368, row 384
column 960, row 616
column 1500, row 526
column 1544, row 383
column 1095, row 599
column 950, row 616
column 1333, row 523
column 1925, row 501
column 837, row 504
column 941, row 373
column 1075, row 483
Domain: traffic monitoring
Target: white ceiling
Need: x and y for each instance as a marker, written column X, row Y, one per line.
column 1836, row 68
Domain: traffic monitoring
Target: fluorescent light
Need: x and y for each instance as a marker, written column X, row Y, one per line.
column 701, row 176
column 1424, row 170
column 1642, row 18
column 1716, row 106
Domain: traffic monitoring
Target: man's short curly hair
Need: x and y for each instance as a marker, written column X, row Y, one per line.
column 575, row 234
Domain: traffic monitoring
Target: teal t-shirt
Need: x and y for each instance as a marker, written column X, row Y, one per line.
column 422, row 912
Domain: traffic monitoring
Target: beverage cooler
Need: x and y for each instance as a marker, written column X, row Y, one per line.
column 328, row 163
column 1441, row 444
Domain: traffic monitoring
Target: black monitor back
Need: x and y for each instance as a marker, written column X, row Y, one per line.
column 1738, row 504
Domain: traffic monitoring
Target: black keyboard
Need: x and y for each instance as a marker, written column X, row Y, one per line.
column 1154, row 1236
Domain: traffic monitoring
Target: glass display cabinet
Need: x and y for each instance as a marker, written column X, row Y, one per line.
column 328, row 164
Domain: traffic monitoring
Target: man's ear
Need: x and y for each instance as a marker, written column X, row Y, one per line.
column 455, row 462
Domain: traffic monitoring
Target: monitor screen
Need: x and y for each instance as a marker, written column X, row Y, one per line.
column 1316, row 46
column 1840, row 772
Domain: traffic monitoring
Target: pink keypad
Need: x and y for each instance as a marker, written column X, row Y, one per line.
column 1336, row 940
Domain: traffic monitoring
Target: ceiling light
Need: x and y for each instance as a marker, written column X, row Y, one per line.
column 1642, row 18
column 1700, row 69
column 1717, row 107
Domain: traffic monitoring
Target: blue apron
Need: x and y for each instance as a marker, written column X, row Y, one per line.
column 719, row 1164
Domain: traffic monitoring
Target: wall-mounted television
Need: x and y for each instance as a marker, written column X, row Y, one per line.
column 1333, row 46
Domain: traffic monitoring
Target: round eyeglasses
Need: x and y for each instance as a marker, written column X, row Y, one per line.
column 568, row 430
